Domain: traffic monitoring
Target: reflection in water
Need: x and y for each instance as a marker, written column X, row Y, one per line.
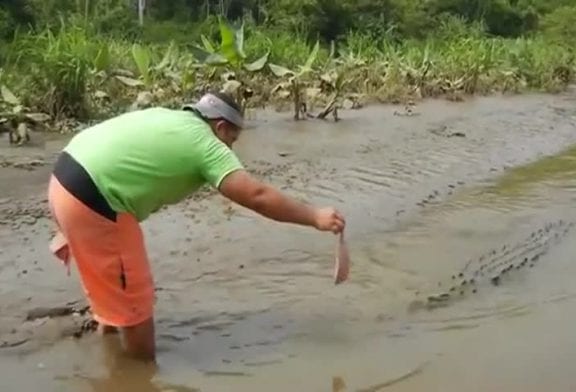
column 126, row 374
column 338, row 384
column 389, row 383
column 560, row 167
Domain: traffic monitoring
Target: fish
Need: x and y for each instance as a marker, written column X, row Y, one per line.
column 342, row 261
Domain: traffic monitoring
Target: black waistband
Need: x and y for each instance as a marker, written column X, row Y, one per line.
column 77, row 181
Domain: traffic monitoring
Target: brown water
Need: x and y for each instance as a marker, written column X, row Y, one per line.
column 245, row 304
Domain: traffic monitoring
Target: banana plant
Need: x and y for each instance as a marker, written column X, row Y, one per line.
column 143, row 61
column 293, row 84
column 230, row 53
column 333, row 82
column 17, row 119
column 159, row 78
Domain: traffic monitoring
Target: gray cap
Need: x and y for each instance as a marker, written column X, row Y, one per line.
column 211, row 107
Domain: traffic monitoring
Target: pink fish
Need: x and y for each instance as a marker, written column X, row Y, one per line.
column 342, row 262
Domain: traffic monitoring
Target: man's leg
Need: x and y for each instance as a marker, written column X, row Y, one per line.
column 137, row 328
column 113, row 267
column 139, row 340
column 125, row 307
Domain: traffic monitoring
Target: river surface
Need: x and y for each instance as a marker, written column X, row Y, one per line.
column 460, row 228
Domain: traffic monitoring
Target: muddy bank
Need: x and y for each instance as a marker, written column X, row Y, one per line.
column 243, row 302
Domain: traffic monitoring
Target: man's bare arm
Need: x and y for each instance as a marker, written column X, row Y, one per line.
column 242, row 188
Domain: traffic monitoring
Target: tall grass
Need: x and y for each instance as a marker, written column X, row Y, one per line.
column 53, row 69
column 61, row 71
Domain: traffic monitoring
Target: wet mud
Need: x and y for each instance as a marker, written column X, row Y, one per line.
column 460, row 229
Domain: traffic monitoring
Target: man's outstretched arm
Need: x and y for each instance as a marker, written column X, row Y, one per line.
column 240, row 187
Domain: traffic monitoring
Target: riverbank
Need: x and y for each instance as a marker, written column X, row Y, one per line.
column 75, row 73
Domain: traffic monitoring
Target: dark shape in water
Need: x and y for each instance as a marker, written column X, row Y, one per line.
column 498, row 261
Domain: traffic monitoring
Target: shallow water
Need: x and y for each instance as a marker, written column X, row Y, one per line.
column 245, row 304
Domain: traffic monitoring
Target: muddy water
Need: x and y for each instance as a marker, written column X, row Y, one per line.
column 245, row 304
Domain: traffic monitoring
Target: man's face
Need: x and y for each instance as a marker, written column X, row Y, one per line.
column 228, row 133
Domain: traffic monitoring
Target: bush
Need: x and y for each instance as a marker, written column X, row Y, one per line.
column 56, row 66
column 560, row 25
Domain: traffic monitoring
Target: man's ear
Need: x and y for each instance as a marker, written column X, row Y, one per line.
column 220, row 125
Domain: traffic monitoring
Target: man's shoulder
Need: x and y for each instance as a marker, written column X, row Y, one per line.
column 177, row 119
column 156, row 114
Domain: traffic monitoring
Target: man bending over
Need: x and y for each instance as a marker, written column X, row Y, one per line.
column 112, row 176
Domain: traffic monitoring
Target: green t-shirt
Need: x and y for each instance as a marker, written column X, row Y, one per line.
column 143, row 160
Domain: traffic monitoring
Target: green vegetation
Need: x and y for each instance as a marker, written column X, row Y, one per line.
column 83, row 59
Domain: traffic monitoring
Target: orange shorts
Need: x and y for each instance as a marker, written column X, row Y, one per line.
column 110, row 256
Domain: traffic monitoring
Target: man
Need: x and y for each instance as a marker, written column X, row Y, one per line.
column 115, row 174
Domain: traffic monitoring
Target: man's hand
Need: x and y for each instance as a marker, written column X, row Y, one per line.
column 328, row 219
